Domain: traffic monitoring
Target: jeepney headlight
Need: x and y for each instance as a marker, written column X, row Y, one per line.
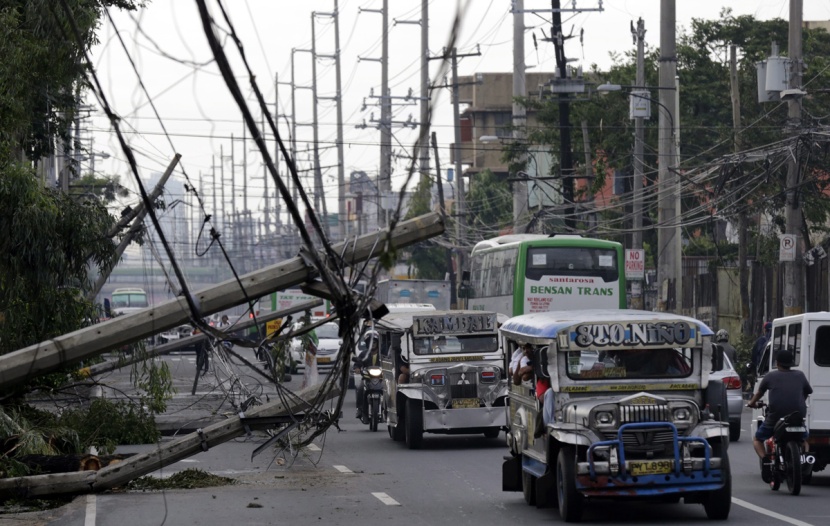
column 605, row 418
column 682, row 414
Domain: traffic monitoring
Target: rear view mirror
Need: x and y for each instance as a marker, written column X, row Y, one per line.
column 717, row 357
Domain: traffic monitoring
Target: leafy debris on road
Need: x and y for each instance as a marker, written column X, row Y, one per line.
column 187, row 479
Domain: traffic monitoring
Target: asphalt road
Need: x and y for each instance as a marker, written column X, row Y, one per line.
column 356, row 476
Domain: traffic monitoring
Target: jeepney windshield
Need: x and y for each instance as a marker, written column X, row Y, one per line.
column 629, row 363
column 455, row 344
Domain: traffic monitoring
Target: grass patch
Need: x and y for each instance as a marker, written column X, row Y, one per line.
column 187, row 479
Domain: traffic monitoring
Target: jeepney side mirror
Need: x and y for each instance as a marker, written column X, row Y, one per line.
column 540, row 362
column 717, row 357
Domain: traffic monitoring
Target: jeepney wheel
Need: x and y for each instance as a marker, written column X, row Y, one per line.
column 529, row 488
column 414, row 424
column 493, row 432
column 570, row 500
column 718, row 503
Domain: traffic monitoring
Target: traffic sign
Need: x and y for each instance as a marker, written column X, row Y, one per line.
column 635, row 263
column 786, row 250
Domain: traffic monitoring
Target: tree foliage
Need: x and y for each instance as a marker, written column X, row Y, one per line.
column 706, row 130
column 428, row 259
column 40, row 69
column 44, row 265
column 490, row 209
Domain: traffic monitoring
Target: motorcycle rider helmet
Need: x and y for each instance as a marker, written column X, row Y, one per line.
column 722, row 336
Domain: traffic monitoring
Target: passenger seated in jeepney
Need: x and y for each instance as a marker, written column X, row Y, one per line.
column 542, row 385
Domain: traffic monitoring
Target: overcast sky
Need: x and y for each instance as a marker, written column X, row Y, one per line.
column 168, row 46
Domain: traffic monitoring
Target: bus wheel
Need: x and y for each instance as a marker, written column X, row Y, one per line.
column 414, row 424
column 570, row 500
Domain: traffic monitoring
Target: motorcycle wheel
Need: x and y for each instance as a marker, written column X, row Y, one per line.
column 792, row 467
column 374, row 415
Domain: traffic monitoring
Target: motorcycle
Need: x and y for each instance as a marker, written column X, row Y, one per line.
column 372, row 395
column 785, row 458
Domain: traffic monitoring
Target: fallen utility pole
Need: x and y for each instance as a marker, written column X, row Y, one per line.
column 140, row 213
column 169, row 347
column 22, row 365
column 115, row 475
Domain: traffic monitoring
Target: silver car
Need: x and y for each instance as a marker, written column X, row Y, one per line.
column 734, row 396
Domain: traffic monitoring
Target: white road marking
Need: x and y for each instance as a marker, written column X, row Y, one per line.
column 313, row 447
column 89, row 519
column 769, row 513
column 386, row 499
column 343, row 469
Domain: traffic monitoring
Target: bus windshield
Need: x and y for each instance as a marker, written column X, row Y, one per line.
column 629, row 363
column 455, row 345
column 129, row 300
column 571, row 261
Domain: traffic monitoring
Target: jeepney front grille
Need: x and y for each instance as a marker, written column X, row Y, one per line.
column 644, row 413
column 464, row 385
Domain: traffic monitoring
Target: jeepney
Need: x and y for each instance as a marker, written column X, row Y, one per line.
column 634, row 413
column 456, row 382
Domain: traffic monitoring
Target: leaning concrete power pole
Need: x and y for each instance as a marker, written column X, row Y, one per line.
column 135, row 228
column 25, row 364
column 793, row 270
column 668, row 232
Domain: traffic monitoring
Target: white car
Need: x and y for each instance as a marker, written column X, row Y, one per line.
column 328, row 347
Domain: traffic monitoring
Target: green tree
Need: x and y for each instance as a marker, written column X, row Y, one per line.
column 428, row 258
column 51, row 241
column 705, row 119
column 489, row 205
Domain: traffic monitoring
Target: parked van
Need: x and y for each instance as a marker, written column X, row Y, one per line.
column 808, row 337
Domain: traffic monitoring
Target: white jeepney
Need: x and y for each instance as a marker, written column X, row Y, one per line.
column 634, row 413
column 456, row 382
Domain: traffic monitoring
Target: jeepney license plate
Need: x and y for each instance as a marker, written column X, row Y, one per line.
column 323, row 360
column 648, row 467
column 465, row 403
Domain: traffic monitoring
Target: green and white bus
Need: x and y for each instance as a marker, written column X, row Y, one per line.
column 523, row 273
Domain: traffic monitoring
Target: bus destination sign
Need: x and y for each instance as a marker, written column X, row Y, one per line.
column 465, row 323
column 636, row 334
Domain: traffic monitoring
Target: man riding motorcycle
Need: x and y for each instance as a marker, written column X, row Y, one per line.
column 788, row 391
column 368, row 357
